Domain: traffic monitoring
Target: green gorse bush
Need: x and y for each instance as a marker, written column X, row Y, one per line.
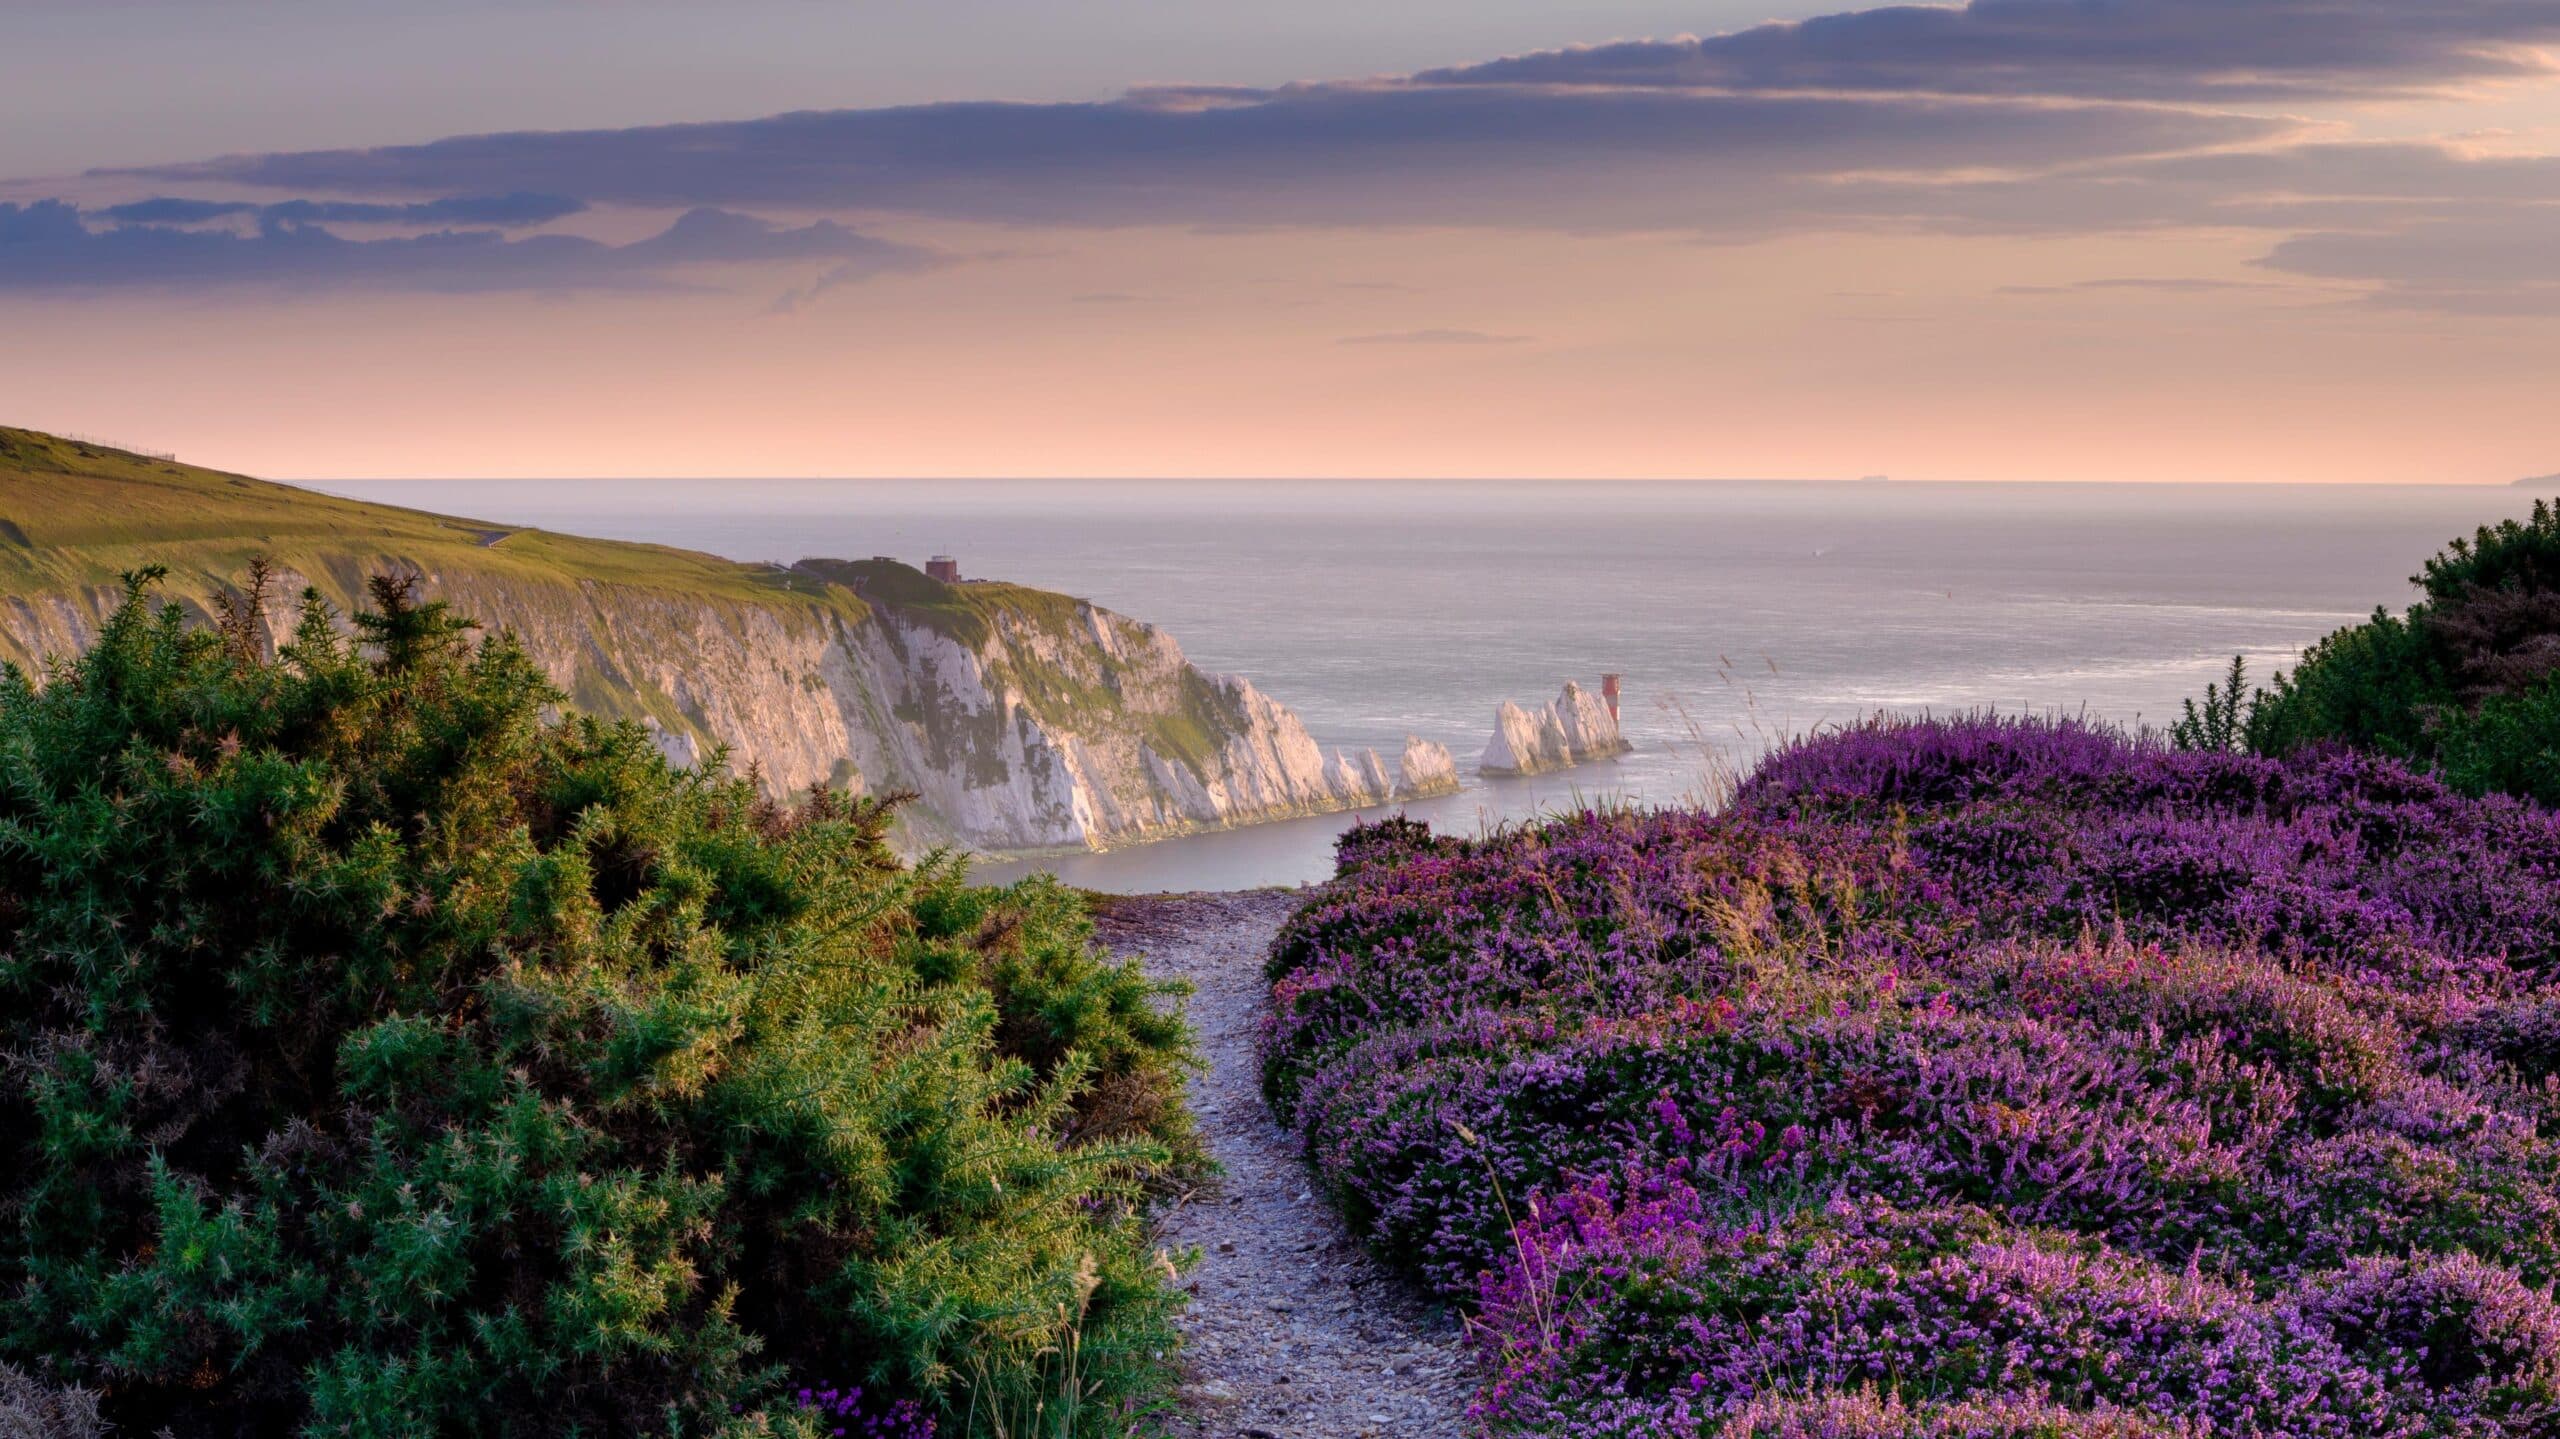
column 389, row 1055
column 2466, row 682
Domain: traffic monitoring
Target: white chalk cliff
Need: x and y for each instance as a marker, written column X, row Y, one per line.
column 1018, row 718
column 1576, row 726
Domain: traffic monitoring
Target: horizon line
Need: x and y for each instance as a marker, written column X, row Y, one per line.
column 1176, row 479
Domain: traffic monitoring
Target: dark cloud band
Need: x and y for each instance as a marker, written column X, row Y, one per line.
column 1312, row 155
column 2001, row 116
column 2176, row 50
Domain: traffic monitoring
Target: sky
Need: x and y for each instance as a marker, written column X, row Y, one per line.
column 2230, row 240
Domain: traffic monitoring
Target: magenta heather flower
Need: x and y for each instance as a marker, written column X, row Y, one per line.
column 2009, row 1059
column 853, row 1414
column 1864, row 1414
column 2482, row 1346
column 1619, row 1291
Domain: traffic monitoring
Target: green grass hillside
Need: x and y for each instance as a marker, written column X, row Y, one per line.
column 75, row 516
column 824, row 671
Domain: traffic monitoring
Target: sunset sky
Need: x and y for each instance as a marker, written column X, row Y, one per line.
column 2025, row 239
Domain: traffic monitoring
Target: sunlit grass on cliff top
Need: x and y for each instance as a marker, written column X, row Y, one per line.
column 80, row 514
column 74, row 516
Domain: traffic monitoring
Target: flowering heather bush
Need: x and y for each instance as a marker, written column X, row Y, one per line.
column 1649, row 1292
column 1865, row 1415
column 2476, row 1342
column 2010, row 1062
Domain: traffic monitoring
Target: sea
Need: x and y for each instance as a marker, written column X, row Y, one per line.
column 1739, row 613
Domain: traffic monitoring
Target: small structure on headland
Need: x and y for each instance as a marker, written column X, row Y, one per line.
column 1576, row 727
column 943, row 568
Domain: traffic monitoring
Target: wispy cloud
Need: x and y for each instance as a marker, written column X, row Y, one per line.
column 2147, row 284
column 2503, row 263
column 50, row 245
column 503, row 211
column 1435, row 337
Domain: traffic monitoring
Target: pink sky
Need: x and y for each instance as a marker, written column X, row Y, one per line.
column 2199, row 240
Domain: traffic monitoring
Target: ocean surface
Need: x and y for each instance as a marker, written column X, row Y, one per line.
column 1738, row 612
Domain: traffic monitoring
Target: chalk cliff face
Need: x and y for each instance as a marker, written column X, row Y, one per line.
column 1019, row 719
column 1575, row 727
column 1022, row 721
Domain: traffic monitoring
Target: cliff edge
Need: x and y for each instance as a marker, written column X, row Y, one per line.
column 1020, row 719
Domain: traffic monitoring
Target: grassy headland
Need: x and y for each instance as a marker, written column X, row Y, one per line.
column 850, row 672
column 75, row 516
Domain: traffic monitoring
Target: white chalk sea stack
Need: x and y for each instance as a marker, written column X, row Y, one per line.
column 1575, row 727
column 1360, row 778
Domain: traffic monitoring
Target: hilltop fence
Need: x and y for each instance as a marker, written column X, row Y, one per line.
column 100, row 442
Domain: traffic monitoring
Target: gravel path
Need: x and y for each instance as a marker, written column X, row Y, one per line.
column 1293, row 1332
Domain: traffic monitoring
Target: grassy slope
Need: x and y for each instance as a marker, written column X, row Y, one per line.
column 967, row 612
column 75, row 516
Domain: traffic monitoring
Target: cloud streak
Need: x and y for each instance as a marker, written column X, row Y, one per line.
column 1313, row 155
column 2212, row 51
column 514, row 211
column 50, row 246
column 1460, row 338
column 2504, row 264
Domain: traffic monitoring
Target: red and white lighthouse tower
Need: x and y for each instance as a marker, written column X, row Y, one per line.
column 1609, row 692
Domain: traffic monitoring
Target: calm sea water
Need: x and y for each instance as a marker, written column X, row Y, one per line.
column 1738, row 612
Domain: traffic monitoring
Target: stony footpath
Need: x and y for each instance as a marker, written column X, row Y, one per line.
column 1293, row 1333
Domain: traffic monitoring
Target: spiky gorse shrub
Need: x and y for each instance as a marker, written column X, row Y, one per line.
column 1966, row 1062
column 29, row 1410
column 387, row 1057
column 2466, row 682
